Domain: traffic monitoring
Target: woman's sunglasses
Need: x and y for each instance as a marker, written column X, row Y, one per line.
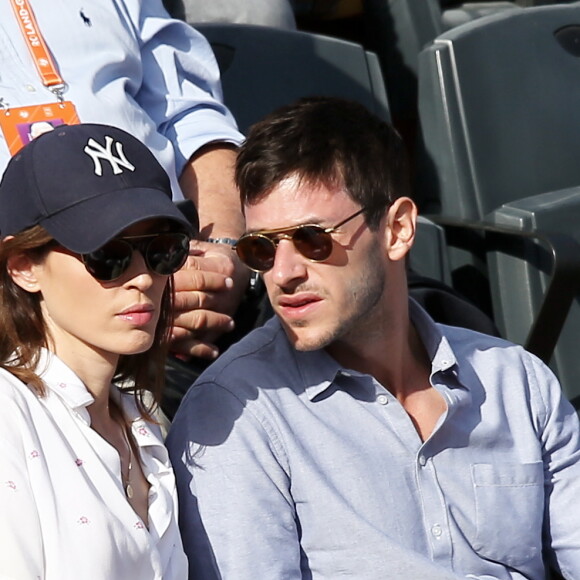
column 163, row 253
column 258, row 249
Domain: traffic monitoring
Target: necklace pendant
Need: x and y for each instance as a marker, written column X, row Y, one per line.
column 129, row 491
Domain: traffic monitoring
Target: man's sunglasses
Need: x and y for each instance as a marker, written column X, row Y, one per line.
column 258, row 249
column 163, row 253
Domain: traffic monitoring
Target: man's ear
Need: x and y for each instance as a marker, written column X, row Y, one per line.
column 401, row 226
column 22, row 270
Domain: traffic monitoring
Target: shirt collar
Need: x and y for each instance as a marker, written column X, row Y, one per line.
column 318, row 369
column 62, row 381
column 436, row 344
column 65, row 384
column 139, row 427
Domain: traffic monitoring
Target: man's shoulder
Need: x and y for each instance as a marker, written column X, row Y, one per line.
column 263, row 355
column 494, row 358
column 465, row 341
column 469, row 338
column 253, row 378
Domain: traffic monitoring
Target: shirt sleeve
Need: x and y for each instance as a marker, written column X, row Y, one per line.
column 236, row 512
column 560, row 440
column 181, row 88
column 21, row 553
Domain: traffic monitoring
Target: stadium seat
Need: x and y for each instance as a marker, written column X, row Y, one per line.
column 498, row 105
column 400, row 29
column 263, row 68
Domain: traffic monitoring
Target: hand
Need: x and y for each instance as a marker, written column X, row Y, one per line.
column 208, row 290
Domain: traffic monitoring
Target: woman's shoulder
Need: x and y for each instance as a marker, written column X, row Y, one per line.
column 18, row 406
column 13, row 392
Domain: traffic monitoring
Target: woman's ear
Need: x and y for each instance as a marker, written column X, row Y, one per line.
column 401, row 227
column 22, row 270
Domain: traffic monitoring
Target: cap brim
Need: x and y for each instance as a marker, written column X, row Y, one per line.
column 90, row 224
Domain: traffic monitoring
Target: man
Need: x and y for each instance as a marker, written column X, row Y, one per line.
column 352, row 436
column 126, row 63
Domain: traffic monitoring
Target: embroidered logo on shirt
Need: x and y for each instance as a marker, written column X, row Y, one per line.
column 83, row 520
column 85, row 18
column 78, row 461
column 34, row 454
column 11, row 485
column 99, row 153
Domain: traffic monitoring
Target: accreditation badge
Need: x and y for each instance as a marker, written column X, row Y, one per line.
column 20, row 125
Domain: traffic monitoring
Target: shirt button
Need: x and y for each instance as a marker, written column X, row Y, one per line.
column 422, row 460
column 436, row 530
column 30, row 88
column 383, row 400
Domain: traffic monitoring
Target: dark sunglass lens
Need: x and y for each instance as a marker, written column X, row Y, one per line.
column 257, row 252
column 109, row 262
column 313, row 242
column 166, row 253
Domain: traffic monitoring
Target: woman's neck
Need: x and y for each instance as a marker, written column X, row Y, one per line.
column 95, row 369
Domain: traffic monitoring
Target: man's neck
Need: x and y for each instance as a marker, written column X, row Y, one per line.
column 397, row 359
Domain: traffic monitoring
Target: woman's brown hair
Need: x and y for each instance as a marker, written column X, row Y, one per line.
column 24, row 331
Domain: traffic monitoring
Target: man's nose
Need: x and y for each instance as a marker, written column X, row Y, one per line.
column 289, row 264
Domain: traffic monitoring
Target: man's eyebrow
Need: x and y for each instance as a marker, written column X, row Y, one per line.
column 311, row 221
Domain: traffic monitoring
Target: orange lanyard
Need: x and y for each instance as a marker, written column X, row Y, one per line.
column 37, row 46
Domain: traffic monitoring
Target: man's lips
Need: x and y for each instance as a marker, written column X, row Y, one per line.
column 298, row 305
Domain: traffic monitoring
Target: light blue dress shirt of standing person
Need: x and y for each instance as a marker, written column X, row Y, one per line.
column 126, row 64
column 292, row 467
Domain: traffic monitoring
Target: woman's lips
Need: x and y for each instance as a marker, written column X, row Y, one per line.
column 138, row 314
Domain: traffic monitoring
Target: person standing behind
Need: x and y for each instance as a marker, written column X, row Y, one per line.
column 127, row 64
column 90, row 240
column 352, row 436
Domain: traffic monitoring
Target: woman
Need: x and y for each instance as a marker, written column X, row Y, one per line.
column 90, row 239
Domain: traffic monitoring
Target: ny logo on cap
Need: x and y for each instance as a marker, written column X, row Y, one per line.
column 97, row 152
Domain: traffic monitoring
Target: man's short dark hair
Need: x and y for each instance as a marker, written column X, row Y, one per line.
column 326, row 141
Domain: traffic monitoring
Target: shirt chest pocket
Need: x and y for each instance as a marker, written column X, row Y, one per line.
column 509, row 504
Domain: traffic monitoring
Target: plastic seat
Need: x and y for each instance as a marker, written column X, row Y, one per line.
column 263, row 68
column 400, row 29
column 498, row 104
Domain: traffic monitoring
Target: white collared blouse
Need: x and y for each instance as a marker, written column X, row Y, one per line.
column 63, row 511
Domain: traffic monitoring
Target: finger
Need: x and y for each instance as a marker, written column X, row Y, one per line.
column 213, row 257
column 188, row 347
column 188, row 279
column 201, row 323
column 188, row 301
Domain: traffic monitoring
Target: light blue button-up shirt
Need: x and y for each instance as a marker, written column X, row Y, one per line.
column 126, row 64
column 292, row 467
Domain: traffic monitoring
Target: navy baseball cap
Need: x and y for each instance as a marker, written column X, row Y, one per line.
column 84, row 184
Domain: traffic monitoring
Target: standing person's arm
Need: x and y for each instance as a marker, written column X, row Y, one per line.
column 237, row 515
column 208, row 180
column 181, row 92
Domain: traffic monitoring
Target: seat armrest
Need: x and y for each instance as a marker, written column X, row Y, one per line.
column 564, row 283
